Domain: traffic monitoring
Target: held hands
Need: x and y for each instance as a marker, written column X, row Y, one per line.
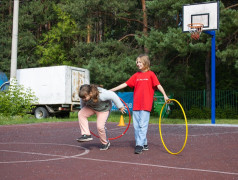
column 122, row 109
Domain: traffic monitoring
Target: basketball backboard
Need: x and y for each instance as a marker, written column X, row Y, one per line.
column 206, row 13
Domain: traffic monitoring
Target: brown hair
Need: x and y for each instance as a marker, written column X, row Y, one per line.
column 91, row 90
column 144, row 58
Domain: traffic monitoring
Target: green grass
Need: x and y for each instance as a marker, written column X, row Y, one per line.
column 29, row 120
column 114, row 117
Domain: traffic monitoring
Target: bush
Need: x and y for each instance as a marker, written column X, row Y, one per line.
column 17, row 100
column 226, row 112
column 193, row 113
column 205, row 113
column 198, row 113
column 176, row 114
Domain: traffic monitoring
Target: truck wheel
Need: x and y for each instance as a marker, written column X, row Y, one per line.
column 41, row 113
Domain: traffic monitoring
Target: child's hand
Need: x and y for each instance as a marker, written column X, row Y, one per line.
column 122, row 109
column 166, row 99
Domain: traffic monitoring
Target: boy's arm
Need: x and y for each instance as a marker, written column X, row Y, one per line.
column 161, row 89
column 121, row 86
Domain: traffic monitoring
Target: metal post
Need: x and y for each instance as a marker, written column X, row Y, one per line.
column 213, row 76
column 14, row 40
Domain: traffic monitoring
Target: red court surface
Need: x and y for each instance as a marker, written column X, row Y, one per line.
column 50, row 151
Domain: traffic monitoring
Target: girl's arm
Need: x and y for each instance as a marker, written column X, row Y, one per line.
column 121, row 86
column 161, row 89
column 112, row 96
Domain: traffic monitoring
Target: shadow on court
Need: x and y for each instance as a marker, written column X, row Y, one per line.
column 50, row 151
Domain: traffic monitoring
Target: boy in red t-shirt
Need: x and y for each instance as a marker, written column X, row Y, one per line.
column 144, row 83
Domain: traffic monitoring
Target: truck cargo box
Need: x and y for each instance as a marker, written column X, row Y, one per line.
column 55, row 85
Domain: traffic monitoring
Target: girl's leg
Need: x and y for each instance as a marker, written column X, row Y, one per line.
column 140, row 123
column 83, row 115
column 101, row 121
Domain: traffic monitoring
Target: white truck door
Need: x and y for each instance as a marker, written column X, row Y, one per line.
column 78, row 79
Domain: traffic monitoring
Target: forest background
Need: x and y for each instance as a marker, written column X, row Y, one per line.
column 106, row 36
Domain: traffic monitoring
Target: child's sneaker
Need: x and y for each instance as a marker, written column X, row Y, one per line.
column 145, row 148
column 85, row 138
column 105, row 146
column 138, row 149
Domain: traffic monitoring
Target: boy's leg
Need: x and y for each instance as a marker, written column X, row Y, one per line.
column 145, row 116
column 83, row 115
column 140, row 123
column 136, row 120
column 101, row 121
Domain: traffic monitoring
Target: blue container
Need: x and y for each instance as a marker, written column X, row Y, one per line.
column 3, row 78
column 127, row 97
column 4, row 83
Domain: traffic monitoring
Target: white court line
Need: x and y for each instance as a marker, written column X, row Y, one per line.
column 203, row 125
column 32, row 153
column 86, row 151
column 215, row 134
column 102, row 160
column 159, row 166
column 215, row 125
column 93, row 122
column 195, row 135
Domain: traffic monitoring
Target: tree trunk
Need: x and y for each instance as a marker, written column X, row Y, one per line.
column 10, row 7
column 156, row 24
column 49, row 26
column 88, row 33
column 145, row 23
column 10, row 13
column 97, row 32
column 39, row 32
column 100, row 29
column 208, row 79
column 177, row 20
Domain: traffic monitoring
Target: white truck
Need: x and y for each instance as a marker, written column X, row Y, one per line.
column 56, row 88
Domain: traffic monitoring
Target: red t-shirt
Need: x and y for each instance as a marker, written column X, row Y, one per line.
column 144, row 84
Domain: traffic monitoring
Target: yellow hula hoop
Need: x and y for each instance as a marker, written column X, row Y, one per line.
column 185, row 123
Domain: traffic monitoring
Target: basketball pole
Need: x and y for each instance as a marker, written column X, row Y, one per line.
column 213, row 75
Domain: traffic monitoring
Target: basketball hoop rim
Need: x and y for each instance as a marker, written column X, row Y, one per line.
column 195, row 29
column 195, row 25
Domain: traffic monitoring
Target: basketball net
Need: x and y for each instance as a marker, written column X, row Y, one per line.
column 195, row 29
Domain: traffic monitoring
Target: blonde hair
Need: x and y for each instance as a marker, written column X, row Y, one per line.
column 91, row 90
column 144, row 58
